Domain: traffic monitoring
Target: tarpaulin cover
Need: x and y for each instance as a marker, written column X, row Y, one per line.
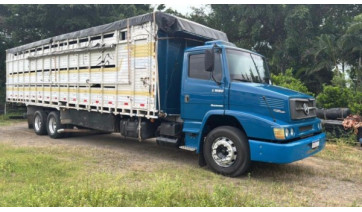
column 165, row 22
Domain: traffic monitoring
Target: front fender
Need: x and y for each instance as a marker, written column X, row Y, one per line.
column 255, row 126
column 193, row 129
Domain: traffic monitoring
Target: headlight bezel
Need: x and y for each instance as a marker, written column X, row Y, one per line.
column 284, row 133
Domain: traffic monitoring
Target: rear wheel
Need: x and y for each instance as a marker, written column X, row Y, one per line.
column 53, row 124
column 39, row 122
column 226, row 151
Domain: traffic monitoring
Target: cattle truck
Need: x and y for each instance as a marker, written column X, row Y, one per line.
column 164, row 77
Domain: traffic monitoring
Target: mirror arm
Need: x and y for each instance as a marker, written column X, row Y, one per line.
column 213, row 78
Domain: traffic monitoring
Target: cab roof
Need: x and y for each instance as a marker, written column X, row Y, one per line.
column 222, row 44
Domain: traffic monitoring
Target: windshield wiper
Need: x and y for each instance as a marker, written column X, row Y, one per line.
column 257, row 70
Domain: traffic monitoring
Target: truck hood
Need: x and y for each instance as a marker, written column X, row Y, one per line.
column 249, row 97
column 276, row 91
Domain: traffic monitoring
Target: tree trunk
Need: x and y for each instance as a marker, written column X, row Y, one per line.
column 343, row 67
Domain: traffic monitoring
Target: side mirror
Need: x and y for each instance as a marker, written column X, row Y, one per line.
column 209, row 60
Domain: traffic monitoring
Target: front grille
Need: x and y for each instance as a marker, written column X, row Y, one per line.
column 302, row 108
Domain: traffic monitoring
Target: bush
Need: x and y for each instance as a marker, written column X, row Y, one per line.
column 334, row 96
column 356, row 103
column 288, row 81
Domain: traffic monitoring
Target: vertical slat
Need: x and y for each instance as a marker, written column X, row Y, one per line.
column 156, row 63
column 42, row 75
column 36, row 80
column 68, row 75
column 58, row 79
column 29, row 76
column 102, row 75
column 116, row 65
column 90, row 77
column 17, row 76
column 78, row 77
column 50, row 77
column 23, row 93
column 149, row 39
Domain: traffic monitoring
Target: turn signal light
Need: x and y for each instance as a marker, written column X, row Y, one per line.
column 279, row 133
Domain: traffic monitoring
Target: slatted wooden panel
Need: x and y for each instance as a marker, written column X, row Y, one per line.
column 100, row 73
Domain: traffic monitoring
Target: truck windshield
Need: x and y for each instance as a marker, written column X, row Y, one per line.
column 247, row 67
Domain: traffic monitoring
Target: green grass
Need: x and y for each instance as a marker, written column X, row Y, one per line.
column 79, row 176
column 59, row 177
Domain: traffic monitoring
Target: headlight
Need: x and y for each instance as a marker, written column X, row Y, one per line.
column 292, row 132
column 286, row 132
column 279, row 133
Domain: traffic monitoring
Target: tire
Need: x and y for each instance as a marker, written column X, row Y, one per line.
column 230, row 144
column 53, row 124
column 39, row 122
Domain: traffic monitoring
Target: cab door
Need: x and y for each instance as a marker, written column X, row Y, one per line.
column 200, row 93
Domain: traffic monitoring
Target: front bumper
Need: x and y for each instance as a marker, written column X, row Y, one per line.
column 285, row 153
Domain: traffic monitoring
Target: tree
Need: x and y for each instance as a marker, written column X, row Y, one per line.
column 333, row 96
column 286, row 34
column 351, row 45
column 288, row 81
column 28, row 23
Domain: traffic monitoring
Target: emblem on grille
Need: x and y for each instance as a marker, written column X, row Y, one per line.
column 305, row 109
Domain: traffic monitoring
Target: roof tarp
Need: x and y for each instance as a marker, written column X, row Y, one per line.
column 166, row 22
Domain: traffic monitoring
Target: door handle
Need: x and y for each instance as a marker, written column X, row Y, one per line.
column 187, row 98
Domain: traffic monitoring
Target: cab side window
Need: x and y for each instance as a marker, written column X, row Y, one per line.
column 197, row 67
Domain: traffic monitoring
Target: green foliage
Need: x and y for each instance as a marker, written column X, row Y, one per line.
column 339, row 80
column 5, row 119
column 348, row 138
column 333, row 96
column 306, row 37
column 355, row 103
column 28, row 23
column 351, row 43
column 288, row 81
column 46, row 177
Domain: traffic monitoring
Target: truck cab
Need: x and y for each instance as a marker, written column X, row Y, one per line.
column 232, row 114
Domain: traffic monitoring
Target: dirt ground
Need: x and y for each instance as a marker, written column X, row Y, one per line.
column 147, row 154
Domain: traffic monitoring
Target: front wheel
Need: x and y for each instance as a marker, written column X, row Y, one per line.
column 226, row 151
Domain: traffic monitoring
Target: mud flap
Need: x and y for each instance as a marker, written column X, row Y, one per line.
column 202, row 161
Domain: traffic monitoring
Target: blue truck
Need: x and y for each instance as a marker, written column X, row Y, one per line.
column 160, row 76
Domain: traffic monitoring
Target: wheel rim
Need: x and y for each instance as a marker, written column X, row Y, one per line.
column 37, row 123
column 52, row 125
column 224, row 152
